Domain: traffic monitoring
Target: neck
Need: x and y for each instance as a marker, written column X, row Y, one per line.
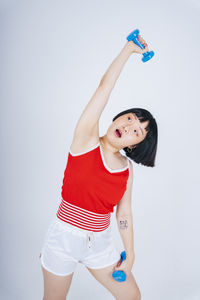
column 107, row 146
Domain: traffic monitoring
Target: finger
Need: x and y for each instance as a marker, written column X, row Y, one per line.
column 145, row 45
column 119, row 268
column 118, row 264
column 142, row 41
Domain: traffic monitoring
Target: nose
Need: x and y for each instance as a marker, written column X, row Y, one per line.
column 129, row 127
column 126, row 128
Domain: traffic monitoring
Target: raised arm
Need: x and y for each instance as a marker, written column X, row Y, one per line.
column 87, row 124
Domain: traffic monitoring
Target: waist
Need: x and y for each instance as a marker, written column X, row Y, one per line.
column 82, row 218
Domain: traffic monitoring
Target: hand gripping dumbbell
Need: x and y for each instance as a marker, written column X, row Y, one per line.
column 120, row 275
column 133, row 36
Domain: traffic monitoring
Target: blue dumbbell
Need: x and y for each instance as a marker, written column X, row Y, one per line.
column 120, row 275
column 133, row 36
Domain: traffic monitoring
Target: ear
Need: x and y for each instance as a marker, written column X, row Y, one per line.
column 132, row 147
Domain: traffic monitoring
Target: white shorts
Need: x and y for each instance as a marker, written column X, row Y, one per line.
column 66, row 245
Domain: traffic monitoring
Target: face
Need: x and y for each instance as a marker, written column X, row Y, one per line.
column 127, row 131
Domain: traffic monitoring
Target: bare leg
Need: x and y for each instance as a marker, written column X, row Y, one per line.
column 56, row 287
column 120, row 290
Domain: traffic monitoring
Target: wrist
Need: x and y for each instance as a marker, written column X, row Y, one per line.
column 129, row 47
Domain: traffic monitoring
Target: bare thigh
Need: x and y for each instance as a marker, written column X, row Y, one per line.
column 127, row 290
column 56, row 287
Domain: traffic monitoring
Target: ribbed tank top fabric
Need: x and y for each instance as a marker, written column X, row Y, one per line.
column 90, row 190
column 82, row 218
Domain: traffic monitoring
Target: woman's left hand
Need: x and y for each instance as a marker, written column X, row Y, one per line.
column 126, row 265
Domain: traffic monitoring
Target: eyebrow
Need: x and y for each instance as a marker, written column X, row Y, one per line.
column 139, row 126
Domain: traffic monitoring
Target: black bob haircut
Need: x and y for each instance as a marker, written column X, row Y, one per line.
column 143, row 153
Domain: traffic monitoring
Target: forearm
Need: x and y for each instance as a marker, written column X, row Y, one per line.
column 114, row 70
column 125, row 225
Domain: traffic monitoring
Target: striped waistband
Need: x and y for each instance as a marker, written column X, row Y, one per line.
column 82, row 218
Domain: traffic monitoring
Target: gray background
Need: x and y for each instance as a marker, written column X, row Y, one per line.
column 53, row 56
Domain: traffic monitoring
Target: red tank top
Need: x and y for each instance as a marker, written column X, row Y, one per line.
column 91, row 187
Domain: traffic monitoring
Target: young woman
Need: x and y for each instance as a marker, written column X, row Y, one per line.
column 96, row 179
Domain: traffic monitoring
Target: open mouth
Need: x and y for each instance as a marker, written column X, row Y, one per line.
column 118, row 133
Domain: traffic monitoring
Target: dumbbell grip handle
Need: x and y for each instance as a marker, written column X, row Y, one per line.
column 137, row 42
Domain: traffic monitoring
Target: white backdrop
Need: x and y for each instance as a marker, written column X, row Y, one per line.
column 53, row 56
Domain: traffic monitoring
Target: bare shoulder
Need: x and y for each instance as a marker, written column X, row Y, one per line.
column 131, row 170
